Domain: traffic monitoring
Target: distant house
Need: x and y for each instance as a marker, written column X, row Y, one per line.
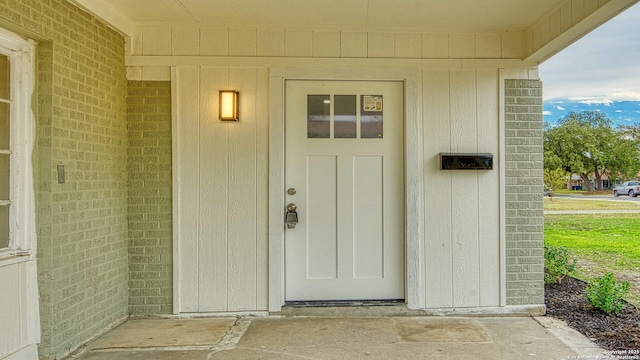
column 577, row 182
column 125, row 192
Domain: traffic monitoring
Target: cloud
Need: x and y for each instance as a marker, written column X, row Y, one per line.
column 625, row 95
column 560, row 108
column 618, row 111
column 593, row 101
column 599, row 65
column 547, row 113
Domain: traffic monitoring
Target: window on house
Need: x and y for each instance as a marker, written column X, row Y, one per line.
column 17, row 130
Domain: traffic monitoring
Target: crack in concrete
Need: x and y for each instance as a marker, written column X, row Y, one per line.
column 231, row 338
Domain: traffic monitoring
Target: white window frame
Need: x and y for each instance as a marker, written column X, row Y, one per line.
column 22, row 229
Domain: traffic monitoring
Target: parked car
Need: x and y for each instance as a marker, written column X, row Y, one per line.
column 631, row 188
column 547, row 192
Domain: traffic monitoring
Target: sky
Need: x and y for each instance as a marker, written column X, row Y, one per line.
column 600, row 70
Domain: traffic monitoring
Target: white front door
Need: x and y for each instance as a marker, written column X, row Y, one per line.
column 344, row 170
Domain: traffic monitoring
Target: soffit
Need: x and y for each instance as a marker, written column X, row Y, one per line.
column 412, row 15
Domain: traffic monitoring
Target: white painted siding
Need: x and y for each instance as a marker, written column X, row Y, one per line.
column 223, row 167
column 562, row 25
column 18, row 326
column 487, row 111
column 462, row 218
column 326, row 44
column 221, row 216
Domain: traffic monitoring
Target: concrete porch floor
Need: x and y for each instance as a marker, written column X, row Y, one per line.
column 340, row 337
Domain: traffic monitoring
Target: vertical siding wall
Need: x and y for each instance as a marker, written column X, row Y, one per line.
column 222, row 215
column 149, row 168
column 226, row 233
column 16, row 315
column 524, row 185
column 223, row 166
column 462, row 208
column 81, row 124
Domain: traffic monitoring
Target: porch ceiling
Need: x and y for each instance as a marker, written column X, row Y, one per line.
column 423, row 15
column 548, row 25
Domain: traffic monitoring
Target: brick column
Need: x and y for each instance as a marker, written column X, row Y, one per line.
column 524, row 186
column 149, row 166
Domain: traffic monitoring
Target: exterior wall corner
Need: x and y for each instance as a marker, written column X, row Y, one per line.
column 523, row 190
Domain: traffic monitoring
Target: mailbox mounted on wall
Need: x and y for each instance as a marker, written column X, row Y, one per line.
column 466, row 161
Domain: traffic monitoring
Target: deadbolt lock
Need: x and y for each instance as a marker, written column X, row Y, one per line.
column 291, row 216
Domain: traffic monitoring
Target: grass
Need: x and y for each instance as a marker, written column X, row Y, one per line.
column 602, row 243
column 555, row 203
column 569, row 192
column 619, row 233
column 582, row 192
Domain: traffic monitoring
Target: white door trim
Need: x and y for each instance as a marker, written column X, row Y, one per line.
column 413, row 147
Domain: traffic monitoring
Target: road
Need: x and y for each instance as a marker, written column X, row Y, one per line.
column 599, row 197
column 595, row 197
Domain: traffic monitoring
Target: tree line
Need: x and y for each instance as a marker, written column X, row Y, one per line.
column 587, row 144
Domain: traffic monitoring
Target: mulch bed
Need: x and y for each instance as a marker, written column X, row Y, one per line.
column 566, row 302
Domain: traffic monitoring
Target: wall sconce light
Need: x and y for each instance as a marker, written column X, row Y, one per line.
column 228, row 105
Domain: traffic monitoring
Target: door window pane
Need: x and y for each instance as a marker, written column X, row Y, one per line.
column 344, row 116
column 371, row 117
column 318, row 116
column 4, row 126
column 4, row 77
column 4, row 226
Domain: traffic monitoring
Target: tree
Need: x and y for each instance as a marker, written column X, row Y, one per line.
column 586, row 143
column 555, row 178
column 631, row 132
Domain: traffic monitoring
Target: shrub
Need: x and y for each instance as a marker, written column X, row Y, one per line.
column 605, row 293
column 557, row 264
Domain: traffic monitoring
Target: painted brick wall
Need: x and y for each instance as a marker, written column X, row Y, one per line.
column 150, row 234
column 81, row 124
column 524, row 185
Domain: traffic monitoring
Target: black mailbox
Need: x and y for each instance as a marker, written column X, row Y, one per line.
column 466, row 161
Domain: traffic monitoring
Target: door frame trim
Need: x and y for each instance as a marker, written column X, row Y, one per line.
column 413, row 153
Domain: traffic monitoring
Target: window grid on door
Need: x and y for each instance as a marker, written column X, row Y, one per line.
column 344, row 116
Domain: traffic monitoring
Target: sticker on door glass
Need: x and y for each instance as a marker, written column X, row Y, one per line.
column 371, row 124
column 372, row 102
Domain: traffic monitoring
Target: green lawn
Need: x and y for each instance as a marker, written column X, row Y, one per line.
column 567, row 192
column 604, row 243
column 618, row 234
column 574, row 204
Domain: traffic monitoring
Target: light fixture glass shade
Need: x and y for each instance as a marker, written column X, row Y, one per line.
column 228, row 105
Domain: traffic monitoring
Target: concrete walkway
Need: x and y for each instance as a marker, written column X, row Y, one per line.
column 345, row 337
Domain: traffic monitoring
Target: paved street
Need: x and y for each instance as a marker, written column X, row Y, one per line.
column 600, row 197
